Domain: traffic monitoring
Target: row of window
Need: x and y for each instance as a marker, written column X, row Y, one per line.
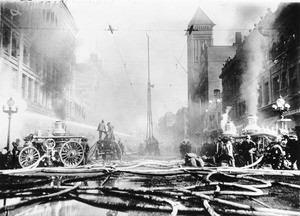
column 31, row 91
column 39, row 65
column 202, row 27
column 283, row 83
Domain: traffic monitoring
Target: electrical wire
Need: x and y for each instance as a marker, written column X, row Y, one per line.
column 133, row 30
column 120, row 54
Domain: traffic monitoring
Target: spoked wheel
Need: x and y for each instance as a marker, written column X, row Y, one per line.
column 71, row 153
column 28, row 156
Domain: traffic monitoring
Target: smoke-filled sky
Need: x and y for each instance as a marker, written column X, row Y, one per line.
column 124, row 53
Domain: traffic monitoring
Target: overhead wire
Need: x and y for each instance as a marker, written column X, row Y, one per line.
column 131, row 30
column 181, row 55
column 120, row 54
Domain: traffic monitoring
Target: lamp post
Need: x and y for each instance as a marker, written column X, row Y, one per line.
column 9, row 111
column 280, row 107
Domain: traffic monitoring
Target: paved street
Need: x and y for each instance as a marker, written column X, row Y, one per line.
column 157, row 186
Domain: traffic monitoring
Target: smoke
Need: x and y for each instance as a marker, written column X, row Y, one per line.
column 256, row 47
column 49, row 36
column 247, row 13
column 225, row 117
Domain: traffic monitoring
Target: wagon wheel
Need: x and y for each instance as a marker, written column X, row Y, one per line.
column 28, row 156
column 71, row 153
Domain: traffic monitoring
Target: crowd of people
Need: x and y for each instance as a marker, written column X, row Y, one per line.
column 282, row 152
column 9, row 159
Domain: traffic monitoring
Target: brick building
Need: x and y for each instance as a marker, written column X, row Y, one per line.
column 204, row 67
column 279, row 73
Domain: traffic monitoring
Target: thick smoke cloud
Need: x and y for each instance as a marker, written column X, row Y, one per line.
column 256, row 46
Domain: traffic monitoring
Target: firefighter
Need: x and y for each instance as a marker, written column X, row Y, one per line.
column 15, row 153
column 248, row 148
column 182, row 149
column 86, row 148
column 277, row 154
column 101, row 129
column 4, row 158
column 110, row 131
column 219, row 148
column 122, row 147
column 292, row 150
column 193, row 160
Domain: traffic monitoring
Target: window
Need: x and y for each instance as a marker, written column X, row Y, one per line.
column 35, row 98
column 15, row 49
column 6, row 38
column 284, row 80
column 266, row 97
column 197, row 49
column 276, row 87
column 44, row 99
column 15, row 78
column 260, row 96
column 24, row 85
column 242, row 108
column 38, row 63
column 293, row 81
column 30, row 82
column 48, row 16
column 54, row 73
column 45, row 68
column 32, row 58
column 49, row 71
column 26, row 55
column 52, row 17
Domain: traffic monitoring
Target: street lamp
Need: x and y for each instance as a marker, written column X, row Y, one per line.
column 281, row 106
column 9, row 111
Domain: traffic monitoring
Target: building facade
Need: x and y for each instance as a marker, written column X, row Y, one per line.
column 204, row 67
column 37, row 60
column 278, row 74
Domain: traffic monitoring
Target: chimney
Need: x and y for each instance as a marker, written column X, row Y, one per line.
column 238, row 39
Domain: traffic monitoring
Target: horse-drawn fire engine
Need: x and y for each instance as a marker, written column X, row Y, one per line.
column 56, row 149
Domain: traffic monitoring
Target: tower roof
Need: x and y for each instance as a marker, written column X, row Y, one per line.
column 200, row 18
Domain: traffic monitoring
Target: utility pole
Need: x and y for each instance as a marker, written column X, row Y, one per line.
column 149, row 105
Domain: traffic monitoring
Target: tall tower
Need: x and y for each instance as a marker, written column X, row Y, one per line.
column 199, row 35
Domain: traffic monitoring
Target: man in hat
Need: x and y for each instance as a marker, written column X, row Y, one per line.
column 101, row 129
column 110, row 131
column 15, row 153
column 292, row 151
column 248, row 147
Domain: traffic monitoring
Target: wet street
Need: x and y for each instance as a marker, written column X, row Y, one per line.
column 148, row 185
